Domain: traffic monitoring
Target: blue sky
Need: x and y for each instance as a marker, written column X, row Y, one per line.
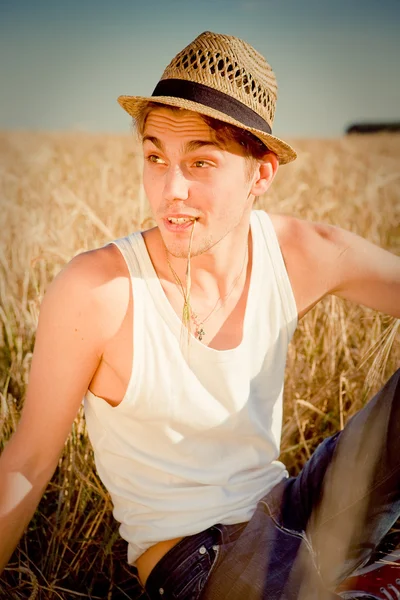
column 63, row 63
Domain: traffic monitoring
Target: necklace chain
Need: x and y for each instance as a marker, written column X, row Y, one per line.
column 199, row 332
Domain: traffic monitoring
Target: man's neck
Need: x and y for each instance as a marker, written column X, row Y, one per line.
column 213, row 273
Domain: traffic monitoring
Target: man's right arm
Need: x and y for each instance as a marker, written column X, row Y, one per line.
column 68, row 348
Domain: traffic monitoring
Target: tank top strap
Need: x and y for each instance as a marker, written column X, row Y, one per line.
column 128, row 248
column 279, row 269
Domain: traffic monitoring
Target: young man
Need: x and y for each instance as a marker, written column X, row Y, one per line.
column 186, row 430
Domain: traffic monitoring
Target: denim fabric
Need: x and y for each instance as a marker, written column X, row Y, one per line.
column 184, row 570
column 310, row 531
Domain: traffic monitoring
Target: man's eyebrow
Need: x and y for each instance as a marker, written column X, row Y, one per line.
column 196, row 144
column 188, row 147
column 154, row 140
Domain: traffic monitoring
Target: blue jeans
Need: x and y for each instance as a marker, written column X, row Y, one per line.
column 307, row 534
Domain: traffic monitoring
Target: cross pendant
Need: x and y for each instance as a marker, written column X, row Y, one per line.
column 200, row 333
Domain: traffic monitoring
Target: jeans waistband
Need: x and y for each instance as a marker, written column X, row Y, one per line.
column 214, row 535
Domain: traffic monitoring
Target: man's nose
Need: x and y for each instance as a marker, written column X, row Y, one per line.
column 176, row 186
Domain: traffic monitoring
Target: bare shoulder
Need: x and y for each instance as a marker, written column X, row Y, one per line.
column 303, row 235
column 94, row 284
column 324, row 259
column 95, row 267
column 310, row 251
column 310, row 242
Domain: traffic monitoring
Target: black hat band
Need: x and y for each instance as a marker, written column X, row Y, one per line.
column 203, row 94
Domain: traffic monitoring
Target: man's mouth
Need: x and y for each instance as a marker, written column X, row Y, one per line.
column 181, row 220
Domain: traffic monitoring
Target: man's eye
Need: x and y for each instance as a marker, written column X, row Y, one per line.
column 201, row 164
column 153, row 158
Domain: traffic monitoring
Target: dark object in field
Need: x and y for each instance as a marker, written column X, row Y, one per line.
column 393, row 127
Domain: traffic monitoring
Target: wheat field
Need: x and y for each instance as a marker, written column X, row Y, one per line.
column 64, row 193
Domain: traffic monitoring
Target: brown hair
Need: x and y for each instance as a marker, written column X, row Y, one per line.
column 254, row 149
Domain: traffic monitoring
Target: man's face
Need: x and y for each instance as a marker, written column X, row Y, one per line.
column 188, row 174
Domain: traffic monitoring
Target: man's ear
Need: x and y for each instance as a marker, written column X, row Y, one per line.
column 264, row 174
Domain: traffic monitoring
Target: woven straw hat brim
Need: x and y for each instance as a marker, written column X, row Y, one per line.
column 134, row 105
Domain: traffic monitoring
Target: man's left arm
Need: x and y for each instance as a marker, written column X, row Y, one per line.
column 363, row 272
column 322, row 259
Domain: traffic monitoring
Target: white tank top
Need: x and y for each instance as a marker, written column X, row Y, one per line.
column 195, row 444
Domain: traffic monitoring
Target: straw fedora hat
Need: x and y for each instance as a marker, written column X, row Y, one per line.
column 223, row 77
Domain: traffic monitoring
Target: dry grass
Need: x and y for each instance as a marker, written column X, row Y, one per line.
column 61, row 194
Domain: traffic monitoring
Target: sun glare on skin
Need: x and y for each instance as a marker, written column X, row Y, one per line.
column 18, row 487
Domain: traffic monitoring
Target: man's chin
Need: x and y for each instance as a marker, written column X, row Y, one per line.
column 181, row 249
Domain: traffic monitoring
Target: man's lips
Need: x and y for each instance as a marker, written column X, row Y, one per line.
column 181, row 216
column 178, row 224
